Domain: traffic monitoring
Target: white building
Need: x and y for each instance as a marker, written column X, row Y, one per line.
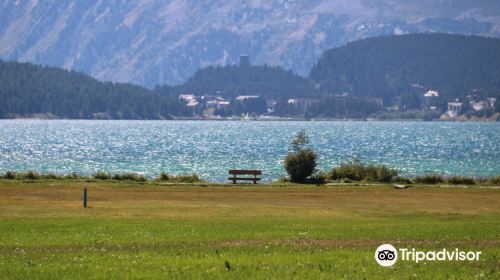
column 480, row 105
column 431, row 99
column 190, row 99
column 245, row 97
column 492, row 102
column 271, row 105
column 187, row 97
column 431, row 93
column 218, row 104
column 454, row 108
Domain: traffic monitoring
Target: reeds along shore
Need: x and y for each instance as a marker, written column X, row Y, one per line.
column 357, row 171
column 128, row 176
column 345, row 173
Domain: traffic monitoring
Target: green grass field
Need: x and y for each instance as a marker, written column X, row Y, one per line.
column 145, row 230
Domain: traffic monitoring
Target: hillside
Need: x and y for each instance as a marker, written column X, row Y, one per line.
column 231, row 81
column 387, row 67
column 346, row 82
column 166, row 42
column 28, row 90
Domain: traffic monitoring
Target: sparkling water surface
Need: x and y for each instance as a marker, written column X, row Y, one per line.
column 211, row 148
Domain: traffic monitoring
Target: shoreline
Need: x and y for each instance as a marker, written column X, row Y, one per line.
column 460, row 120
column 194, row 179
column 267, row 186
column 494, row 118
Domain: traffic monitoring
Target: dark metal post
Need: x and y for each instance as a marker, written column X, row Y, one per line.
column 84, row 197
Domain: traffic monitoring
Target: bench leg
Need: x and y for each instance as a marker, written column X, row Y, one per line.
column 234, row 181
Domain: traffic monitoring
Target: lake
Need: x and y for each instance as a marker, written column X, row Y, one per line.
column 211, row 148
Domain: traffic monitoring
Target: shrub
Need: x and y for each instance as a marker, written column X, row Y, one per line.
column 129, row 177
column 31, row 175
column 300, row 163
column 357, row 171
column 119, row 177
column 136, row 177
column 193, row 178
column 10, row 175
column 318, row 179
column 163, row 177
column 283, row 180
column 494, row 181
column 461, row 180
column 100, row 175
column 429, row 179
column 385, row 174
column 351, row 171
column 72, row 175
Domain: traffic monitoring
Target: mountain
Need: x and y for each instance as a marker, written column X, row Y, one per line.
column 28, row 90
column 151, row 42
column 346, row 82
column 389, row 66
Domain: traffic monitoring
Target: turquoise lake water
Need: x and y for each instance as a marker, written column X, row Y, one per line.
column 211, row 148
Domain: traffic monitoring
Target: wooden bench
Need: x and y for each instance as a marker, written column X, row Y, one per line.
column 254, row 175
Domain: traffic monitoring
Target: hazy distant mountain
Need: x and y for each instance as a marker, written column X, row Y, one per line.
column 156, row 41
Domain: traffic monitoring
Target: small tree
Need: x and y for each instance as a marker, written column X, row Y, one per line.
column 300, row 163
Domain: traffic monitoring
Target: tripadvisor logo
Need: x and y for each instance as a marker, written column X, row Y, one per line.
column 387, row 255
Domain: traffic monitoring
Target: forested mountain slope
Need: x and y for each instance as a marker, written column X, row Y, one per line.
column 389, row 66
column 27, row 90
column 231, row 81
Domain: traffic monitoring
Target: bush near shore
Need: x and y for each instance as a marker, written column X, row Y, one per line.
column 101, row 175
column 346, row 173
column 357, row 171
column 33, row 175
column 193, row 178
column 120, row 176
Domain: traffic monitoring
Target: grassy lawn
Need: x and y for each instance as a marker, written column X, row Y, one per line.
column 143, row 230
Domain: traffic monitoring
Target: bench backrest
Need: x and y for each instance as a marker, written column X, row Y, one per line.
column 245, row 172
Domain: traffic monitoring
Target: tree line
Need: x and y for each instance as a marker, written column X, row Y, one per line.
column 27, row 90
column 390, row 66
